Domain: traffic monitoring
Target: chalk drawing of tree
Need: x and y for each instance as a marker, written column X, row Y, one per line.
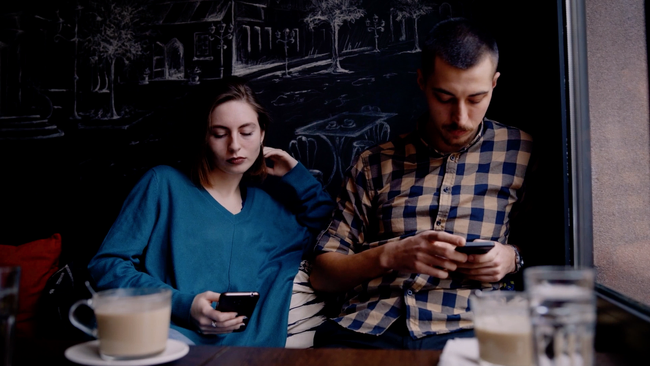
column 115, row 37
column 404, row 9
column 334, row 12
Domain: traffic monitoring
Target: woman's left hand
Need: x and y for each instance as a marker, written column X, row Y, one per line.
column 282, row 161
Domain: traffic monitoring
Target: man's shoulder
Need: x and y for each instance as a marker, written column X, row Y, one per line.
column 396, row 146
column 503, row 131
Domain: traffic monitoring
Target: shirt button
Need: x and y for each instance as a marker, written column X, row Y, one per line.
column 452, row 157
column 446, row 189
column 438, row 223
column 409, row 292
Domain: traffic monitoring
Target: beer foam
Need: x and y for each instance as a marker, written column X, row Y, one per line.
column 503, row 323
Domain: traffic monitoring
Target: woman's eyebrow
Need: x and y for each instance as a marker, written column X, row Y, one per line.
column 245, row 125
column 249, row 124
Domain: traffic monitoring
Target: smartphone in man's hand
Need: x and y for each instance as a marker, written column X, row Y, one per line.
column 476, row 247
column 242, row 303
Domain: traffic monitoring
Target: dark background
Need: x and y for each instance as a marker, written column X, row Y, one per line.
column 70, row 175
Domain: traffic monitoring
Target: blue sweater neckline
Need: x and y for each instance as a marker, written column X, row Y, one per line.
column 248, row 195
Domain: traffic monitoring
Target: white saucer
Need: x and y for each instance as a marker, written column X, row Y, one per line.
column 88, row 354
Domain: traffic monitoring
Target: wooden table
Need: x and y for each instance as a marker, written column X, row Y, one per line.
column 243, row 356
column 50, row 352
column 620, row 340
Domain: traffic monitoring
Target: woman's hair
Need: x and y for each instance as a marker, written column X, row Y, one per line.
column 228, row 89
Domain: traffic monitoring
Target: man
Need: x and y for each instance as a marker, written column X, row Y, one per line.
column 408, row 203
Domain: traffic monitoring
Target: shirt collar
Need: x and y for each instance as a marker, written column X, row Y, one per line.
column 420, row 127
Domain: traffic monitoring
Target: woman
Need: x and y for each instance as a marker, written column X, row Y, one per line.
column 216, row 231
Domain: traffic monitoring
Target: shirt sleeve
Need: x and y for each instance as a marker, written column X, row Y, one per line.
column 351, row 219
column 120, row 260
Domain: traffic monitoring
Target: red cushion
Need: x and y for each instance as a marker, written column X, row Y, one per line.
column 38, row 261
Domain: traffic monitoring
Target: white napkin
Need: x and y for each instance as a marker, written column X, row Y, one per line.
column 460, row 352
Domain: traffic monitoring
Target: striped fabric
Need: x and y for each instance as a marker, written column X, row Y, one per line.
column 404, row 187
column 305, row 312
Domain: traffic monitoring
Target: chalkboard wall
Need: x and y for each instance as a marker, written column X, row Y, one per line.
column 95, row 92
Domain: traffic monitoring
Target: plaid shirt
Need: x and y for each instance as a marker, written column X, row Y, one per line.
column 404, row 187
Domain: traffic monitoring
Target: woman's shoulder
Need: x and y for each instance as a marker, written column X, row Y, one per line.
column 263, row 200
column 167, row 175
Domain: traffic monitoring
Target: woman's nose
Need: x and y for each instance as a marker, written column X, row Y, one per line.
column 234, row 144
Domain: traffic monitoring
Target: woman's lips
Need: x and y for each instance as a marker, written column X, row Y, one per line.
column 236, row 161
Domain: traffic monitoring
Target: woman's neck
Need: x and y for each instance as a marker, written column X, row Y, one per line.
column 225, row 189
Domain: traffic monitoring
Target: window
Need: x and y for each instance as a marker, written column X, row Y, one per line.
column 202, row 46
column 611, row 187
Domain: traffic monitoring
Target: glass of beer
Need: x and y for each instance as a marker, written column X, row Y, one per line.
column 502, row 327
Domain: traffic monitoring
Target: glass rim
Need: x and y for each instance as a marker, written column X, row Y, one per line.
column 498, row 301
column 559, row 269
column 497, row 295
column 559, row 273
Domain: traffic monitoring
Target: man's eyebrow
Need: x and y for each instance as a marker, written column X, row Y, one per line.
column 443, row 91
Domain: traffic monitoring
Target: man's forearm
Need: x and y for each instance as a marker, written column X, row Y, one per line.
column 336, row 272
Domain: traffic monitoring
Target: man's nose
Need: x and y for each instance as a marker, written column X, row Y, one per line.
column 461, row 114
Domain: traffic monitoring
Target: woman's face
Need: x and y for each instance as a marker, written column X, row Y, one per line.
column 235, row 137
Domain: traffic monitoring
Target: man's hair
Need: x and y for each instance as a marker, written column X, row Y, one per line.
column 460, row 43
column 228, row 89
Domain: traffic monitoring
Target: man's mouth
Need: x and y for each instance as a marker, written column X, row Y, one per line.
column 457, row 132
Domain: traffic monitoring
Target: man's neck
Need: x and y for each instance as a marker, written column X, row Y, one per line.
column 431, row 138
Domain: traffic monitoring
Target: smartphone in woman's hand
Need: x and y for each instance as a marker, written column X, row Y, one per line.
column 242, row 303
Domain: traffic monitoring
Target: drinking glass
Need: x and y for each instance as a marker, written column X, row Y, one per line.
column 563, row 314
column 9, row 282
column 502, row 328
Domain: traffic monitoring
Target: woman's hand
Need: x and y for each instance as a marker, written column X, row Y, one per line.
column 210, row 321
column 282, row 161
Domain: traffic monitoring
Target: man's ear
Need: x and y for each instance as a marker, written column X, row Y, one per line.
column 494, row 79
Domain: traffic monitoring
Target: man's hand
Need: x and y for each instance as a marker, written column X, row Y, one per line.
column 429, row 252
column 210, row 321
column 282, row 161
column 491, row 266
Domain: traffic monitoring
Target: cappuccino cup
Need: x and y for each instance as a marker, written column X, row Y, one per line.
column 132, row 323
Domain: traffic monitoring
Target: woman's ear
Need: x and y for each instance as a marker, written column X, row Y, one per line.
column 421, row 82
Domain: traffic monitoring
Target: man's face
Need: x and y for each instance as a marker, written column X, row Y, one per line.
column 458, row 100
